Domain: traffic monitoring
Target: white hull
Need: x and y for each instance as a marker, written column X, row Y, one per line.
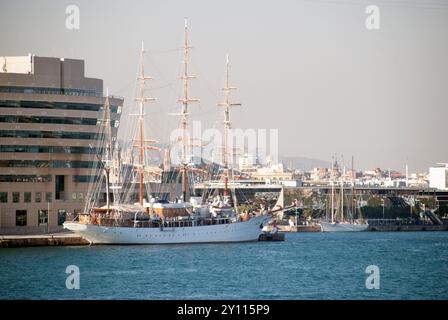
column 342, row 227
column 231, row 232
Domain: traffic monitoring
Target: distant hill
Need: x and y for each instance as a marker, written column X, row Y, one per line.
column 302, row 163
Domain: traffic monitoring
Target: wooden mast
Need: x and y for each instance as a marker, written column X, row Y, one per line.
column 227, row 125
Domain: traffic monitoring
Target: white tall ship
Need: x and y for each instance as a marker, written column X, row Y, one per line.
column 163, row 231
column 160, row 221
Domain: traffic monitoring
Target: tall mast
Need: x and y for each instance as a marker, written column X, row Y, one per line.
column 353, row 189
column 141, row 142
column 342, row 193
column 108, row 159
column 332, row 190
column 186, row 141
column 227, row 125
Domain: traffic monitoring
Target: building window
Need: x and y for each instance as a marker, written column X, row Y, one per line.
column 84, row 179
column 48, row 196
column 63, row 91
column 16, row 197
column 50, row 134
column 55, row 105
column 50, row 120
column 46, row 164
column 43, row 217
column 38, row 197
column 27, row 196
column 46, row 149
column 24, row 178
column 62, row 214
column 80, row 196
column 20, row 218
column 74, row 196
column 59, row 187
column 3, row 197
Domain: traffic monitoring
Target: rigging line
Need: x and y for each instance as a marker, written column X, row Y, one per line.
column 215, row 95
column 208, row 110
column 164, row 51
column 154, row 66
column 125, row 87
column 164, row 85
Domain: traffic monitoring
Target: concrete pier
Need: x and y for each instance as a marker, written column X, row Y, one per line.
column 407, row 227
column 60, row 239
column 300, row 228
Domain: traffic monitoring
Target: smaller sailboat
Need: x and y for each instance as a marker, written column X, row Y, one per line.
column 340, row 223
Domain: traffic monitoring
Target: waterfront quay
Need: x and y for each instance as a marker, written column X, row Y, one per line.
column 388, row 225
column 61, row 239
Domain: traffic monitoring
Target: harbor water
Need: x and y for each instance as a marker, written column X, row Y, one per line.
column 411, row 265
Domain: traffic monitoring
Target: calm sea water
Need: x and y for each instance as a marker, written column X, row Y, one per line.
column 305, row 266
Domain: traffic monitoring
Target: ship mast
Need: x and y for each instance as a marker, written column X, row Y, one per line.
column 332, row 190
column 105, row 161
column 108, row 151
column 141, row 142
column 342, row 193
column 185, row 100
column 227, row 125
column 353, row 190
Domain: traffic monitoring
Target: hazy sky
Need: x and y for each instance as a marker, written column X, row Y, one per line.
column 309, row 68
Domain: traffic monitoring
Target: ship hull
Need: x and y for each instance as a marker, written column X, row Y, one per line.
column 342, row 227
column 231, row 232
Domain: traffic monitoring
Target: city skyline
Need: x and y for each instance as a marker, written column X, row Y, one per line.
column 327, row 83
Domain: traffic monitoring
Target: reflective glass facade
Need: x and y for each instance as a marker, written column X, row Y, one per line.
column 48, row 134
column 62, row 91
column 46, row 164
column 56, row 105
column 49, row 149
column 51, row 120
column 83, row 178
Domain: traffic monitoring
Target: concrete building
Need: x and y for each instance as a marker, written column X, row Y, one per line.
column 247, row 162
column 49, row 115
column 438, row 177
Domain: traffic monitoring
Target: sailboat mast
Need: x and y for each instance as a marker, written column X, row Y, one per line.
column 108, row 148
column 184, row 113
column 332, row 191
column 342, row 194
column 141, row 121
column 227, row 125
column 353, row 189
column 226, row 130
